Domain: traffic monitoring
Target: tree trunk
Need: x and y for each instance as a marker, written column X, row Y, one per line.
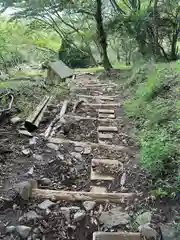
column 102, row 36
column 174, row 45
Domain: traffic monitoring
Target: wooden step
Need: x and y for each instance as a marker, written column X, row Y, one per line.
column 105, row 136
column 98, row 176
column 77, row 118
column 110, row 98
column 101, row 104
column 81, row 196
column 98, row 189
column 107, row 129
column 107, row 111
column 116, row 236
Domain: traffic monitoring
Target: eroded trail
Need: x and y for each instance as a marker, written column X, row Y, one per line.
column 82, row 171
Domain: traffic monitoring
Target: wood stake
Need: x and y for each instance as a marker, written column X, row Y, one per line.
column 81, row 196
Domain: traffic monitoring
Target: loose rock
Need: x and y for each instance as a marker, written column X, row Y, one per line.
column 78, row 149
column 147, row 231
column 76, row 155
column 87, row 150
column 10, row 229
column 53, row 146
column 33, row 141
column 24, row 189
column 45, row 181
column 26, row 152
column 23, row 231
column 144, row 218
column 89, row 205
column 60, row 156
column 114, row 218
column 31, row 215
column 46, row 204
column 78, row 216
column 15, row 120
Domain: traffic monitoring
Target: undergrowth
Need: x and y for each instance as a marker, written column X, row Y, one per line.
column 154, row 93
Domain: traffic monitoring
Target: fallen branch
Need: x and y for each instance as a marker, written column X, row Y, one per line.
column 10, row 104
column 81, row 196
column 56, row 119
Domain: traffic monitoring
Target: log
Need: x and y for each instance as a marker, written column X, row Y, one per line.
column 56, row 119
column 91, row 144
column 106, row 111
column 81, row 196
column 32, row 122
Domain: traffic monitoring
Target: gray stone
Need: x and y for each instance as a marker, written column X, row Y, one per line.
column 170, row 232
column 38, row 157
column 26, row 152
column 144, row 218
column 23, row 231
column 31, row 215
column 46, row 204
column 72, row 208
column 78, row 216
column 33, row 140
column 76, row 155
column 25, row 132
column 87, row 150
column 147, row 232
column 60, row 156
column 16, row 120
column 78, row 149
column 31, row 171
column 45, row 181
column 24, row 189
column 53, row 146
column 10, row 229
column 114, row 217
column 89, row 205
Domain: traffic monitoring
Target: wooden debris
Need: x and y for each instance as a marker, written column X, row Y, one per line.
column 81, row 196
column 83, row 144
column 56, row 119
column 76, row 105
column 32, row 122
column 107, row 129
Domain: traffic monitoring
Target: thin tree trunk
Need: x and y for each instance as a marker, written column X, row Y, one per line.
column 102, row 36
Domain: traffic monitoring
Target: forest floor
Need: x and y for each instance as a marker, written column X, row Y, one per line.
column 67, row 167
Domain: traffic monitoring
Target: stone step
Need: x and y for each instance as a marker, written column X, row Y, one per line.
column 105, row 136
column 106, row 111
column 110, row 116
column 107, row 129
column 116, row 236
column 98, row 189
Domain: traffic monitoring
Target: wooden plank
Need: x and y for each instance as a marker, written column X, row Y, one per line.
column 110, row 98
column 99, row 176
column 107, row 129
column 91, row 144
column 98, row 189
column 101, row 104
column 105, row 136
column 111, row 116
column 105, row 161
column 111, row 111
column 116, row 236
column 81, row 196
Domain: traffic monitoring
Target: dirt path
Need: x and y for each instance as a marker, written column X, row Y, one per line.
column 84, row 171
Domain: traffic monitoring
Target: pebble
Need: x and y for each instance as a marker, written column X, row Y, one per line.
column 87, row 150
column 78, row 149
column 15, row 120
column 45, row 181
column 10, row 229
column 53, row 146
column 78, row 216
column 26, row 152
column 46, row 204
column 89, row 205
column 76, row 155
column 23, row 230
